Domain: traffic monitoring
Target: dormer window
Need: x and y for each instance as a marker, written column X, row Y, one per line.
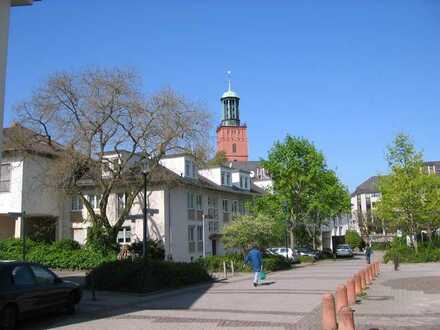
column 228, row 179
column 187, row 168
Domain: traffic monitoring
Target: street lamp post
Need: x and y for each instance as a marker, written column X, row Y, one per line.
column 203, row 235
column 145, row 225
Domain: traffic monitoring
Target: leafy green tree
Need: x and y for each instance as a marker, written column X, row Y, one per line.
column 219, row 159
column 409, row 195
column 353, row 238
column 313, row 193
column 246, row 231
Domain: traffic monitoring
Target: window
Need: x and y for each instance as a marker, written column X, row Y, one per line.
column 234, row 207
column 191, row 242
column 124, row 235
column 241, row 208
column 94, row 200
column 77, row 204
column 234, row 148
column 223, row 178
column 22, row 275
column 226, row 210
column 213, row 226
column 228, row 179
column 246, row 183
column 5, row 177
column 187, row 168
column 194, row 170
column 199, row 238
column 241, row 181
column 212, row 208
column 199, row 204
column 190, row 200
column 42, row 275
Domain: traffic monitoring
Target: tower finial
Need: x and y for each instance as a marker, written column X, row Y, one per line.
column 229, row 79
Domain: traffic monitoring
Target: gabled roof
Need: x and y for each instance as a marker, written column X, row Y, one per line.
column 21, row 139
column 369, row 186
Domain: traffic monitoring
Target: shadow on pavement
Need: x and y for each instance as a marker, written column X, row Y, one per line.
column 115, row 304
column 266, row 283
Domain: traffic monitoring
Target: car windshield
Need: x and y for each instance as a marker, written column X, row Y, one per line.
column 343, row 246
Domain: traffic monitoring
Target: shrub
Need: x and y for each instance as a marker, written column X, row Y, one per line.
column 353, row 239
column 215, row 263
column 145, row 275
column 380, row 246
column 62, row 255
column 305, row 259
column 155, row 249
column 66, row 244
column 428, row 252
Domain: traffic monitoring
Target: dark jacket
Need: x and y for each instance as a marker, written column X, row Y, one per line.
column 255, row 258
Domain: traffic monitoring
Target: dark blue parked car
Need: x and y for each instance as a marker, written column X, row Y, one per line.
column 27, row 289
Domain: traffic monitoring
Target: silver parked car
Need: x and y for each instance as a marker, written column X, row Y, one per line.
column 291, row 254
column 344, row 250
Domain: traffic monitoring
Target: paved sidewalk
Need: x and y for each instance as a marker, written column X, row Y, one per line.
column 288, row 300
column 406, row 299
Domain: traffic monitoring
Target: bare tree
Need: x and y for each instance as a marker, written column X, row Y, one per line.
column 94, row 112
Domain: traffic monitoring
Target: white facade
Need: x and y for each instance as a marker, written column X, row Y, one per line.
column 24, row 190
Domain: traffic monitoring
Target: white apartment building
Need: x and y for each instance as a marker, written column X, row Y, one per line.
column 23, row 186
column 193, row 204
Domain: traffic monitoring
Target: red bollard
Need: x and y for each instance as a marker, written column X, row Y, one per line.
column 357, row 284
column 346, row 319
column 328, row 313
column 341, row 297
column 363, row 280
column 351, row 292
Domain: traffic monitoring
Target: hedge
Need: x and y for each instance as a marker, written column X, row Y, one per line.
column 427, row 252
column 306, row 259
column 64, row 254
column 143, row 275
column 215, row 263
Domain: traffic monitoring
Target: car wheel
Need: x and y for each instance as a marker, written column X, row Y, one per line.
column 8, row 318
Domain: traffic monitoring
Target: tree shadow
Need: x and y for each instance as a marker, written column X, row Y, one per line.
column 266, row 283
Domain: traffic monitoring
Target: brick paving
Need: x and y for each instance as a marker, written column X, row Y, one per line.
column 402, row 300
column 289, row 300
column 405, row 300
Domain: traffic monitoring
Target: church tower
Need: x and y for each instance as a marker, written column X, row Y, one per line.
column 231, row 135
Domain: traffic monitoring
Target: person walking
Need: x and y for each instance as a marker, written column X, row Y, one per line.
column 255, row 258
column 368, row 253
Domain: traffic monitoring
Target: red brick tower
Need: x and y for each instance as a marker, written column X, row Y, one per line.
column 231, row 135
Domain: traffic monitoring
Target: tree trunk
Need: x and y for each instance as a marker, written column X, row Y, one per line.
column 292, row 239
column 429, row 231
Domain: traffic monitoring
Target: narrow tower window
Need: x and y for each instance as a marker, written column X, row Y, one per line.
column 234, row 148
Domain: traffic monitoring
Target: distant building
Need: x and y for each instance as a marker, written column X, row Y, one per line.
column 5, row 8
column 365, row 197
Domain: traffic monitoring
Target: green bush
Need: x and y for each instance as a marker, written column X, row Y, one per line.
column 145, row 275
column 215, row 263
column 306, row 259
column 427, row 252
column 155, row 249
column 353, row 239
column 380, row 246
column 62, row 255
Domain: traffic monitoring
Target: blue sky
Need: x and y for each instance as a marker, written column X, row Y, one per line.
column 347, row 75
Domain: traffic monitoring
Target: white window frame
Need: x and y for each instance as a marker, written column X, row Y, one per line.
column 228, row 178
column 234, row 207
column 191, row 241
column 126, row 235
column 76, row 204
column 188, row 168
column 190, row 198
